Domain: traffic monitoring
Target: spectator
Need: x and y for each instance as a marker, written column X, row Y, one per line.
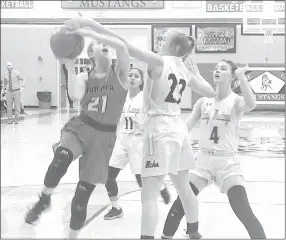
column 13, row 83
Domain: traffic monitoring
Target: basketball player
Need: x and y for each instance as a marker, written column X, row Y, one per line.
column 91, row 135
column 129, row 143
column 217, row 161
column 167, row 145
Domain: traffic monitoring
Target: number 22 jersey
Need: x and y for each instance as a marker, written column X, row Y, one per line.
column 219, row 124
column 103, row 100
column 162, row 96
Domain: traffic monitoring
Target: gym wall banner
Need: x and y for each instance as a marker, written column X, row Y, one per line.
column 268, row 84
column 17, row 4
column 119, row 4
column 279, row 6
column 232, row 6
column 216, row 38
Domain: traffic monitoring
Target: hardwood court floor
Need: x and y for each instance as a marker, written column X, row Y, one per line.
column 26, row 153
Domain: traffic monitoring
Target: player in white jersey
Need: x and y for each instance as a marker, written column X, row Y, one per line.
column 129, row 143
column 217, row 161
column 166, row 146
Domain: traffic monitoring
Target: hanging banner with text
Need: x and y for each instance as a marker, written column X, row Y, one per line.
column 279, row 6
column 119, row 4
column 216, row 38
column 267, row 85
column 232, row 6
column 17, row 4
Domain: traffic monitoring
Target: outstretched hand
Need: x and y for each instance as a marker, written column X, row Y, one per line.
column 77, row 22
column 241, row 70
column 80, row 31
column 192, row 65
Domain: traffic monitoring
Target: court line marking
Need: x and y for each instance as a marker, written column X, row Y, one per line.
column 38, row 185
column 88, row 221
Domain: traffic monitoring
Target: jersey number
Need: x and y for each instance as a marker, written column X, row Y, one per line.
column 177, row 89
column 214, row 135
column 98, row 104
column 128, row 123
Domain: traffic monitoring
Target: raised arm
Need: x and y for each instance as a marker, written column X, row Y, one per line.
column 123, row 57
column 76, row 82
column 246, row 103
column 198, row 83
column 152, row 59
column 195, row 115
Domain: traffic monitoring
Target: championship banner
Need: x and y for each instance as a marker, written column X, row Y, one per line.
column 107, row 4
column 17, row 4
column 216, row 38
column 279, row 6
column 232, row 6
column 268, row 85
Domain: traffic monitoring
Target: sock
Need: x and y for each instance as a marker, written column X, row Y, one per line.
column 164, row 186
column 73, row 234
column 166, row 237
column 115, row 204
column 146, row 237
column 48, row 191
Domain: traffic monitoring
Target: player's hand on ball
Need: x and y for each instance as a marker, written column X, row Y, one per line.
column 241, row 70
column 78, row 22
column 80, row 31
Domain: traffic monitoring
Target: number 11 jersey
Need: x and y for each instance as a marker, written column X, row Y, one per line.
column 103, row 100
column 163, row 96
column 132, row 118
column 219, row 124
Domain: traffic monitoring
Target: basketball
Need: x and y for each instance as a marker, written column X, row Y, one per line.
column 66, row 45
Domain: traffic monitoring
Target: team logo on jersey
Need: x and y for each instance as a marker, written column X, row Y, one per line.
column 150, row 164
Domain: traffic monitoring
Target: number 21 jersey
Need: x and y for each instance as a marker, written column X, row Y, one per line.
column 219, row 124
column 104, row 99
column 163, row 96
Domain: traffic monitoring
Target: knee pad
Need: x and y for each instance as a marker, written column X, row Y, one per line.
column 111, row 187
column 79, row 204
column 58, row 168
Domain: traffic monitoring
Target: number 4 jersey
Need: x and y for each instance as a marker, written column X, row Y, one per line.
column 104, row 99
column 163, row 96
column 219, row 124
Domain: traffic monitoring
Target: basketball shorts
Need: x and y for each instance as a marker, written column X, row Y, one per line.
column 92, row 147
column 167, row 146
column 216, row 168
column 128, row 149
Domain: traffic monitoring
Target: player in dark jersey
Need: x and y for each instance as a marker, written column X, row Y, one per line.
column 91, row 135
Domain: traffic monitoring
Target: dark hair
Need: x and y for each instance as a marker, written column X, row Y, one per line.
column 185, row 42
column 232, row 65
column 141, row 75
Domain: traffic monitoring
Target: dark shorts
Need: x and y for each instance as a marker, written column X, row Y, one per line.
column 92, row 147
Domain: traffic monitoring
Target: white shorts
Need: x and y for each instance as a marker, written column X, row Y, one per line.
column 216, row 168
column 167, row 146
column 128, row 148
